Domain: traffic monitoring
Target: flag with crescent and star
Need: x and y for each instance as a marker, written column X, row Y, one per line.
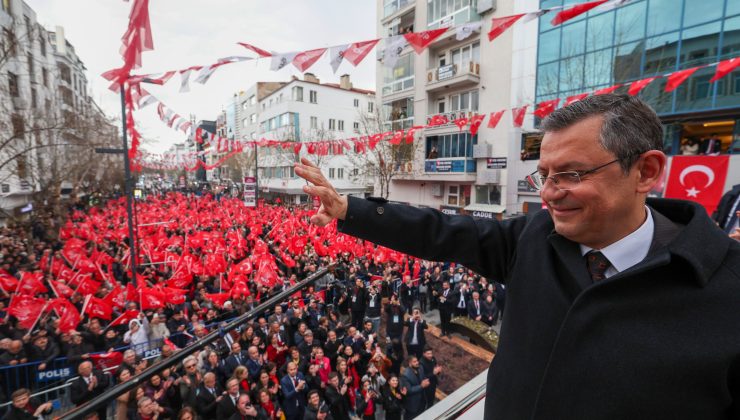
column 698, row 178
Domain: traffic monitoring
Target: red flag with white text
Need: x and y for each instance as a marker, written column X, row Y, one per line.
column 698, row 178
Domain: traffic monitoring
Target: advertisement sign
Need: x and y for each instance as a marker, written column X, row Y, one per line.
column 496, row 163
column 444, row 165
column 250, row 191
column 445, row 72
column 482, row 215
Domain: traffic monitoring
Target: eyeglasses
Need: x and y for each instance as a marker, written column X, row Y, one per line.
column 189, row 366
column 563, row 181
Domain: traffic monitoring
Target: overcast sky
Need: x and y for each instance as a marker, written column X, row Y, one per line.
column 190, row 32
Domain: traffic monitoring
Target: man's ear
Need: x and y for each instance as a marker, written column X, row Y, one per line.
column 650, row 167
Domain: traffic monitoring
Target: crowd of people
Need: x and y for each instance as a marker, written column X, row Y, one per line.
column 353, row 345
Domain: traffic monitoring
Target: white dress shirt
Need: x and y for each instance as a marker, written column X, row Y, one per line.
column 629, row 250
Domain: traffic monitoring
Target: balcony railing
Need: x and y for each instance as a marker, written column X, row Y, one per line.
column 392, row 6
column 398, row 85
column 450, row 165
column 400, row 124
column 451, row 117
column 453, row 75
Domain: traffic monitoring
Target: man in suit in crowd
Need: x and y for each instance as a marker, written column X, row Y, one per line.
column 460, row 299
column 415, row 338
column 226, row 407
column 431, row 371
column 207, row 396
column 357, row 298
column 25, row 407
column 294, row 390
column 446, row 307
column 237, row 357
column 475, row 307
column 711, row 145
column 88, row 385
column 602, row 253
column 337, row 398
column 415, row 381
column 727, row 213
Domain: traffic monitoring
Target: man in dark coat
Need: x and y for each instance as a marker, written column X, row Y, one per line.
column 602, row 287
column 415, row 381
column 208, row 394
column 415, row 339
column 337, row 398
column 227, row 406
column 446, row 307
column 294, row 390
column 88, row 385
column 357, row 298
column 431, row 370
column 726, row 213
column 25, row 407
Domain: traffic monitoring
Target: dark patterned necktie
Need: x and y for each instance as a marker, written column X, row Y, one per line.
column 597, row 265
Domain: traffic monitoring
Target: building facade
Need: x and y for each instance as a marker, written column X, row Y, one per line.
column 647, row 38
column 303, row 111
column 454, row 170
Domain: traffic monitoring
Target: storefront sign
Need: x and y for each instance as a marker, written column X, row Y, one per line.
column 523, row 186
column 250, row 191
column 452, row 211
column 496, row 163
column 54, row 374
column 444, row 165
column 483, row 215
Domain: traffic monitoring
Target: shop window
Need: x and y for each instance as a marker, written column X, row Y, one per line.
column 531, row 146
column 488, row 194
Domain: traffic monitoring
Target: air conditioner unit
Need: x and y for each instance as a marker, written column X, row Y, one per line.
column 482, row 151
column 431, row 76
column 474, row 68
column 436, row 190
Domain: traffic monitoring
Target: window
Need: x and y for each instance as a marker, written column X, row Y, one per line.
column 45, row 76
column 313, row 96
column 264, row 105
column 64, row 73
column 400, row 77
column 253, row 119
column 29, row 27
column 466, row 101
column 332, row 124
column 488, row 194
column 18, row 125
column 13, row 84
column 245, row 122
column 314, row 123
column 355, row 172
column 340, row 126
column 453, row 192
column 445, row 13
column 356, row 127
column 42, row 42
column 252, row 100
column 463, row 56
column 456, row 145
column 33, row 98
column 340, row 173
column 31, row 68
column 357, row 103
column 10, row 41
column 22, row 167
column 370, row 107
column 6, row 6
column 331, row 172
column 298, row 93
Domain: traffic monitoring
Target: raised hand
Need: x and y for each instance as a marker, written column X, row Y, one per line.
column 333, row 205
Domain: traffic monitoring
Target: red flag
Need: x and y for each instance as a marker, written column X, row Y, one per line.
column 373, row 141
column 499, row 25
column 578, row 9
column 575, row 98
column 397, row 138
column 546, row 108
column 461, row 122
column 417, row 268
column 438, row 120
column 60, row 289
column 116, row 297
column 357, row 51
column 104, row 361
column 31, row 283
column 171, row 344
column 724, row 67
column 69, row 317
column 124, row 318
column 302, row 61
column 97, row 308
column 518, row 115
column 494, row 118
column 297, row 148
column 420, row 40
column 218, row 299
column 8, row 282
column 26, row 309
column 638, row 85
column 260, row 51
column 88, row 286
column 606, row 90
column 475, row 123
column 676, row 78
column 410, row 133
column 698, row 178
column 173, row 295
column 151, row 299
column 131, row 294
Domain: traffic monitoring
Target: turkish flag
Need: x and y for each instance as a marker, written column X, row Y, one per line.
column 724, row 67
column 698, row 178
column 518, row 115
column 124, row 318
column 574, row 11
column 7, row 281
column 97, row 308
column 420, row 40
column 107, row 360
column 575, row 98
column 461, row 122
column 499, row 25
column 675, row 79
column 69, row 317
column 475, row 123
column 638, row 85
column 546, row 108
column 31, row 283
column 494, row 118
column 606, row 90
column 26, row 309
column 218, row 299
column 151, row 299
column 60, row 289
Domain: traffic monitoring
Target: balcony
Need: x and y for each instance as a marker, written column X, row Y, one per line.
column 453, row 76
column 392, row 7
column 400, row 124
column 450, row 125
column 449, row 165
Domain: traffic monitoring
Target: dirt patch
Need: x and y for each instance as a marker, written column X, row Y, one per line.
column 458, row 365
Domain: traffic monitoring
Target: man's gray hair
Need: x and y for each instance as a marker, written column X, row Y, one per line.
column 630, row 126
column 189, row 359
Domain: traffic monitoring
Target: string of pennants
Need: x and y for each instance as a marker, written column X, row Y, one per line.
column 355, row 53
column 193, row 161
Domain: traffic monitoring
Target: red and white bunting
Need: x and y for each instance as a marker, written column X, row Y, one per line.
column 420, row 40
column 359, row 50
column 259, row 51
column 304, row 60
column 336, row 56
column 185, row 77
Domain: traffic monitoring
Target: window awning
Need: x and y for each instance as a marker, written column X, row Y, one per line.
column 489, row 208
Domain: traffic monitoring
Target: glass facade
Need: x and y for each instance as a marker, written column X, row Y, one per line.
column 644, row 38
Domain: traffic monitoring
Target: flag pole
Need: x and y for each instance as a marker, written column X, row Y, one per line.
column 38, row 318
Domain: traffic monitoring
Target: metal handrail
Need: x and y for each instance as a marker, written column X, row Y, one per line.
column 460, row 401
column 179, row 356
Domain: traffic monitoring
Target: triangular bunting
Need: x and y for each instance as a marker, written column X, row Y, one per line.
column 357, row 51
column 575, row 11
column 499, row 25
column 420, row 40
column 676, row 78
column 304, row 60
